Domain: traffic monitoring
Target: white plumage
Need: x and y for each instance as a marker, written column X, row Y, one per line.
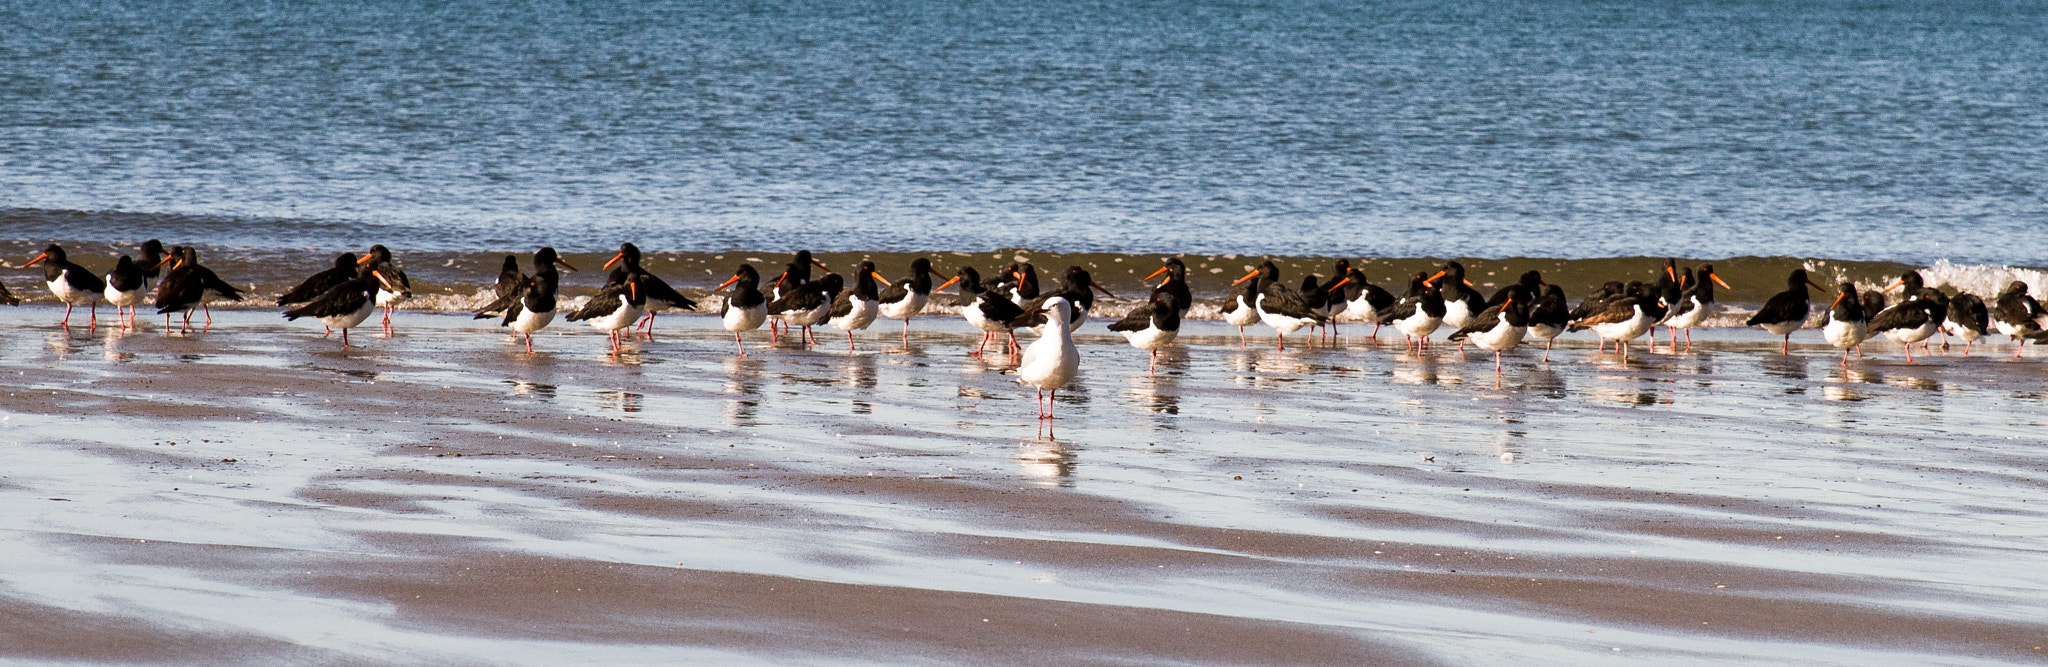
column 1051, row 361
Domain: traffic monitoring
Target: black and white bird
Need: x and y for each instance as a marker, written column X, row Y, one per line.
column 1363, row 300
column 907, row 297
column 1075, row 288
column 1279, row 306
column 395, row 289
column 510, row 279
column 794, row 275
column 1549, row 317
column 126, row 289
column 343, row 272
column 1461, row 303
column 988, row 311
column 1024, row 289
column 1968, row 319
column 72, row 284
column 1846, row 324
column 1696, row 303
column 1418, row 313
column 856, row 308
column 1317, row 298
column 532, row 302
column 189, row 285
column 345, row 305
column 746, row 308
column 1239, row 307
column 2017, row 315
column 152, row 262
column 1176, row 283
column 615, row 308
column 1623, row 319
column 1499, row 328
column 808, row 305
column 659, row 295
column 1786, row 311
column 1152, row 326
column 1912, row 320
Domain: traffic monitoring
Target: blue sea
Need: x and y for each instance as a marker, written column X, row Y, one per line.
column 1890, row 131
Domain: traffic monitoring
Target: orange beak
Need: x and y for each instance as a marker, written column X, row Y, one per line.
column 633, row 289
column 815, row 262
column 1895, row 285
column 735, row 278
column 1155, row 274
column 365, row 260
column 1341, row 283
column 1103, row 290
column 1432, row 279
column 1809, row 283
column 879, row 278
column 780, row 278
column 386, row 281
column 614, row 260
column 564, row 264
column 1671, row 272
column 949, row 283
column 38, row 258
column 1468, row 282
column 166, row 260
column 1248, row 276
column 1838, row 300
column 1717, row 280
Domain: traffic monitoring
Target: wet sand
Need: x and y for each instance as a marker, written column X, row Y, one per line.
column 254, row 495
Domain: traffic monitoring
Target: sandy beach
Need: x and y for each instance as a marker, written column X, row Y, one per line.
column 254, row 495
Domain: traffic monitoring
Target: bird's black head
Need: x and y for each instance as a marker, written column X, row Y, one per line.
column 347, row 260
column 51, row 253
column 832, row 283
column 2017, row 286
column 546, row 256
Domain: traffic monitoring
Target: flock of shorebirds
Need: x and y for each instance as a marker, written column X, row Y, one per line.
column 355, row 287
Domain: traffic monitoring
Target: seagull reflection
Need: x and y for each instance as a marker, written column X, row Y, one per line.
column 860, row 374
column 1048, row 461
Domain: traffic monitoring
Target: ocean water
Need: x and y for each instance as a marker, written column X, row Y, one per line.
column 1873, row 131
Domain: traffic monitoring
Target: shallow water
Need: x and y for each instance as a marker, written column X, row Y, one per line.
column 419, row 496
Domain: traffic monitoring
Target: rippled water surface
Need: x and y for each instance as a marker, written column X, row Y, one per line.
column 1568, row 129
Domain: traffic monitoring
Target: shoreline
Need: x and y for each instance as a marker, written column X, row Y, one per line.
column 439, row 496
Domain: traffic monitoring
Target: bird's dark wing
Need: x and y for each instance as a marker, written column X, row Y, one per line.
column 338, row 300
column 1613, row 311
column 896, row 291
column 1139, row 319
column 1483, row 322
column 1378, row 298
column 802, row 299
column 1783, row 307
column 314, row 286
column 1906, row 315
column 658, row 291
column 1279, row 299
column 508, row 300
column 1401, row 310
column 605, row 303
column 843, row 305
column 998, row 308
column 209, row 281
